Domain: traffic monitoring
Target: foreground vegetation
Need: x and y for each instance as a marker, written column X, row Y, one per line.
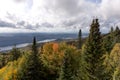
column 97, row 58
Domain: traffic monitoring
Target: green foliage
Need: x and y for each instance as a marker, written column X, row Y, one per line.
column 80, row 39
column 15, row 54
column 111, row 39
column 11, row 70
column 4, row 59
column 52, row 57
column 94, row 51
column 112, row 63
column 64, row 61
column 67, row 72
column 117, row 35
column 73, row 67
column 32, row 66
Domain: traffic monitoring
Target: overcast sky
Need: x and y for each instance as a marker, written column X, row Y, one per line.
column 57, row 15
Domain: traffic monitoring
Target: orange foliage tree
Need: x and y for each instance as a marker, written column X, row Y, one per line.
column 53, row 54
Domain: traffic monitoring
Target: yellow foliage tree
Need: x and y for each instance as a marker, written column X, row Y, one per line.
column 10, row 71
column 112, row 62
column 52, row 55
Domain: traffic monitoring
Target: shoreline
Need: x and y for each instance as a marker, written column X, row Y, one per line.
column 24, row 45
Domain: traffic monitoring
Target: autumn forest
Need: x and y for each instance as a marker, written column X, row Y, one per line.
column 95, row 57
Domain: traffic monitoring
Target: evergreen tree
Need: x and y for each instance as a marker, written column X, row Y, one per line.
column 94, row 51
column 117, row 31
column 117, row 35
column 66, row 73
column 112, row 30
column 109, row 41
column 32, row 67
column 2, row 59
column 15, row 53
column 80, row 39
column 74, row 66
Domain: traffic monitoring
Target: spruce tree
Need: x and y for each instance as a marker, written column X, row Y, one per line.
column 32, row 67
column 66, row 73
column 109, row 41
column 74, row 66
column 117, row 35
column 112, row 30
column 94, row 51
column 117, row 31
column 80, row 39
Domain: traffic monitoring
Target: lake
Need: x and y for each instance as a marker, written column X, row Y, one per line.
column 8, row 40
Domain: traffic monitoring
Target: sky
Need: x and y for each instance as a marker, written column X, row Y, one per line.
column 57, row 15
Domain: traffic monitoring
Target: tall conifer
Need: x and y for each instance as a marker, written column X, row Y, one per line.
column 94, row 51
column 74, row 66
column 80, row 39
column 32, row 67
column 117, row 35
column 109, row 41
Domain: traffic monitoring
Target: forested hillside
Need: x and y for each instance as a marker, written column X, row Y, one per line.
column 95, row 58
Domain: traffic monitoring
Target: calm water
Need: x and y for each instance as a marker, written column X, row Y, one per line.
column 7, row 40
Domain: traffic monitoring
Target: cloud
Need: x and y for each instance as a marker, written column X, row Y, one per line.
column 19, row 0
column 64, row 6
column 111, row 10
column 70, row 7
column 25, row 25
column 59, row 15
column 95, row 1
column 6, row 24
column 47, row 25
column 21, row 23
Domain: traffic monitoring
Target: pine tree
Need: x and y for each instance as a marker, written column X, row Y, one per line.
column 80, row 39
column 94, row 51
